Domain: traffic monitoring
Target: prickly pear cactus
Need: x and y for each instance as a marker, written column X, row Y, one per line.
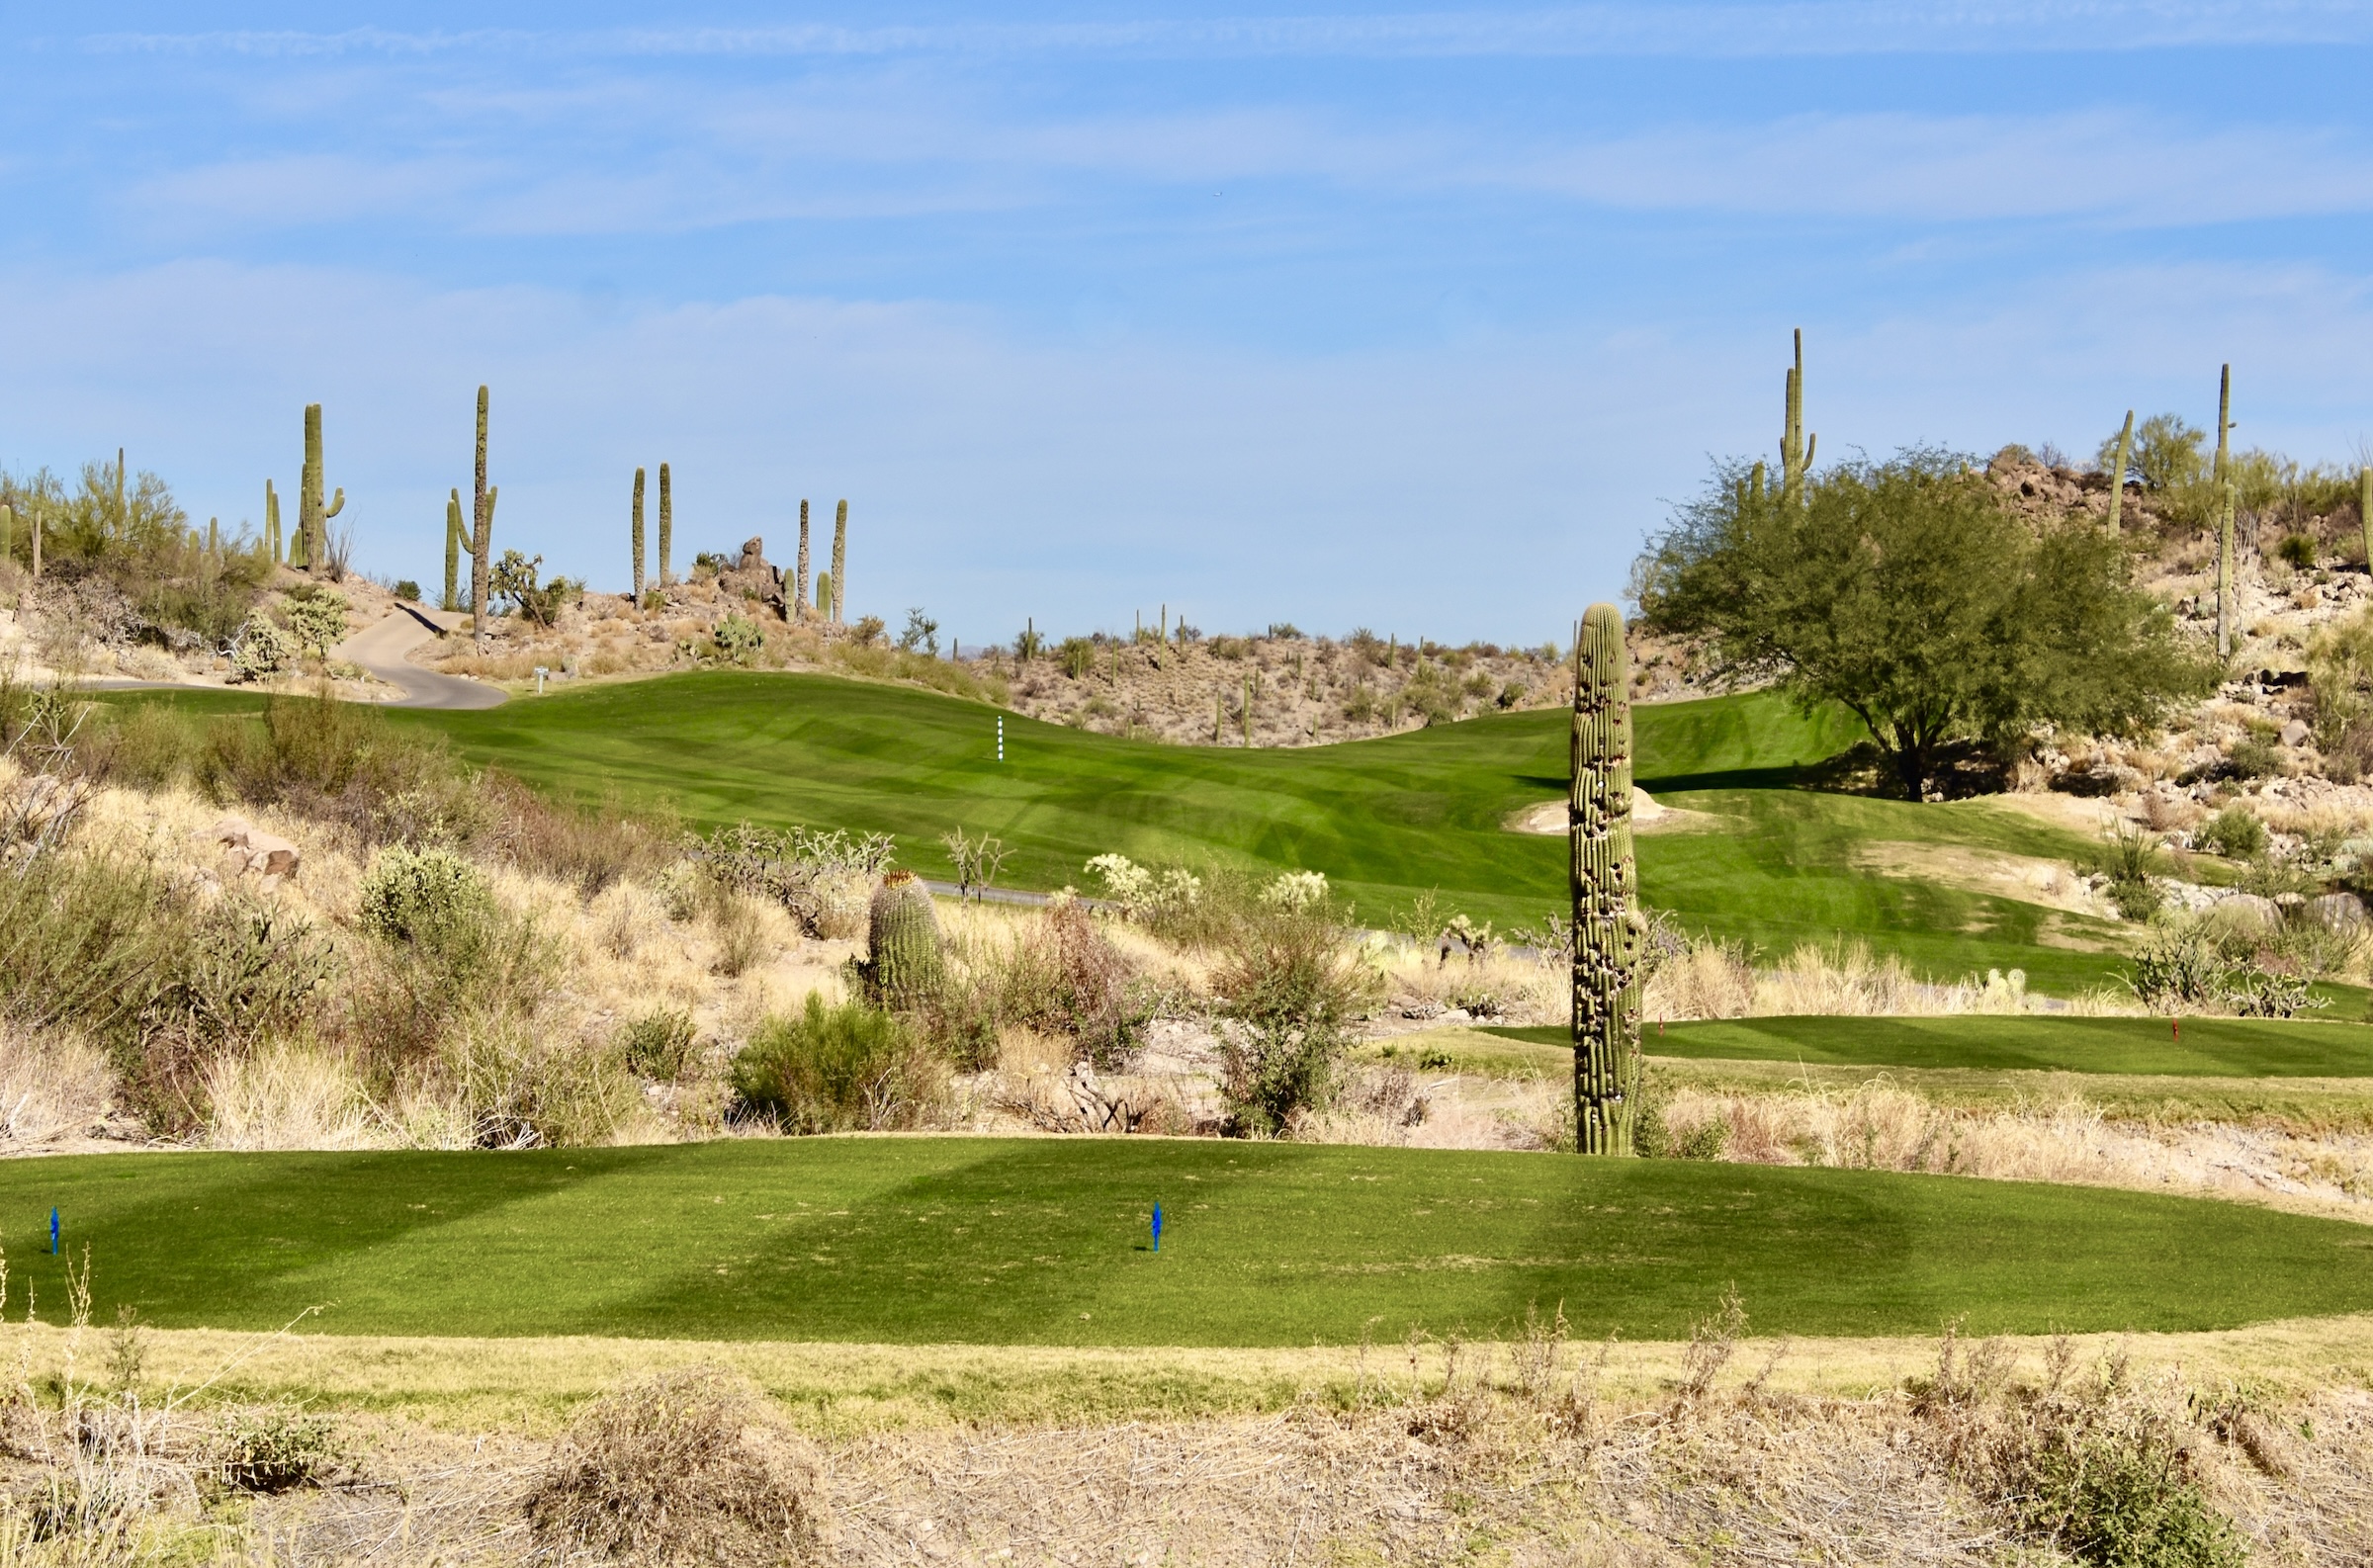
column 905, row 961
column 1606, row 889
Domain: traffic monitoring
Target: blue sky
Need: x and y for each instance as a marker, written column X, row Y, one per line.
column 1416, row 319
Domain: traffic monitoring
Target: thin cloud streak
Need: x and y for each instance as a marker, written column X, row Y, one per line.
column 1840, row 28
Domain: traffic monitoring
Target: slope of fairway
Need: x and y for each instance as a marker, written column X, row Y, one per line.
column 1770, row 865
column 1043, row 1240
column 2193, row 1048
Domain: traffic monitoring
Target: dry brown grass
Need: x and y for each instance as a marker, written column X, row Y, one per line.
column 1725, row 1450
column 683, row 1466
column 52, row 1089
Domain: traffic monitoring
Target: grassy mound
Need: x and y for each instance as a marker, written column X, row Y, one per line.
column 2196, row 1048
column 947, row 1240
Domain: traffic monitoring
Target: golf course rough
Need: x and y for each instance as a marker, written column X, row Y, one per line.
column 2188, row 1048
column 1046, row 1241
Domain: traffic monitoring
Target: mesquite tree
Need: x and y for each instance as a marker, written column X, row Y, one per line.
column 1606, row 889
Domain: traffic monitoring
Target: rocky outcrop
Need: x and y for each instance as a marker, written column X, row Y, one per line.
column 753, row 577
column 242, row 850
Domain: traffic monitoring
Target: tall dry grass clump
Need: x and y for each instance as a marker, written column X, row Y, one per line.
column 686, row 1466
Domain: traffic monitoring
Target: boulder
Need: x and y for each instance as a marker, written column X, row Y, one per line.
column 248, row 851
column 2337, row 911
column 2296, row 733
column 2249, row 911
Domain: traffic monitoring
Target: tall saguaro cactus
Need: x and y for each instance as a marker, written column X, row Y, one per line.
column 2364, row 510
column 666, row 528
column 2224, row 523
column 1606, row 891
column 451, row 601
column 2117, row 472
column 123, row 518
column 638, row 536
column 840, row 615
column 799, row 604
column 272, row 540
column 1795, row 447
column 482, row 530
column 312, row 518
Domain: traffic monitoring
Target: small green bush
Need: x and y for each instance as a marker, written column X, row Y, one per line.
column 2254, row 757
column 658, row 1044
column 842, row 1069
column 408, row 589
column 409, row 893
column 276, row 1448
column 2298, row 550
column 2233, row 833
column 1290, row 985
column 153, row 744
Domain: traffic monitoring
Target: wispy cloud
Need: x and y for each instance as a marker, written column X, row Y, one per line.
column 1742, row 30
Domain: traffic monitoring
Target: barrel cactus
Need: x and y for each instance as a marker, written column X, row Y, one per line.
column 905, row 962
column 1605, row 892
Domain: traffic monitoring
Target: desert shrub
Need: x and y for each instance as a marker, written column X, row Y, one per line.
column 2130, row 859
column 819, row 877
column 658, row 1044
column 1290, row 985
column 739, row 929
column 840, row 1068
column 274, row 1449
column 2097, row 1471
column 153, row 745
column 2254, row 757
column 241, row 973
column 483, row 963
column 406, row 589
column 2298, row 550
column 2233, row 833
column 520, row 1086
column 1059, row 975
column 2197, row 965
column 589, row 847
column 686, row 1466
column 1075, row 655
column 409, row 891
column 89, row 939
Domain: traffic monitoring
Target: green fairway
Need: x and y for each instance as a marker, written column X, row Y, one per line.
column 1771, row 864
column 2195, row 1048
column 1043, row 1240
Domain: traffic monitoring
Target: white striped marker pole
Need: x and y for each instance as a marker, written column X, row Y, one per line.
column 1000, row 738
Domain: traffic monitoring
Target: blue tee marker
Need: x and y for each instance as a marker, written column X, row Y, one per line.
column 53, row 1233
column 1157, row 1226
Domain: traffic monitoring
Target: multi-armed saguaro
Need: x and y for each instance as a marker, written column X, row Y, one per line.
column 638, row 536
column 312, row 518
column 482, row 530
column 1606, row 890
column 2223, row 479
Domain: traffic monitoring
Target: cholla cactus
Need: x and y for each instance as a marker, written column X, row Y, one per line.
column 1295, row 890
column 1606, row 891
column 904, row 961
